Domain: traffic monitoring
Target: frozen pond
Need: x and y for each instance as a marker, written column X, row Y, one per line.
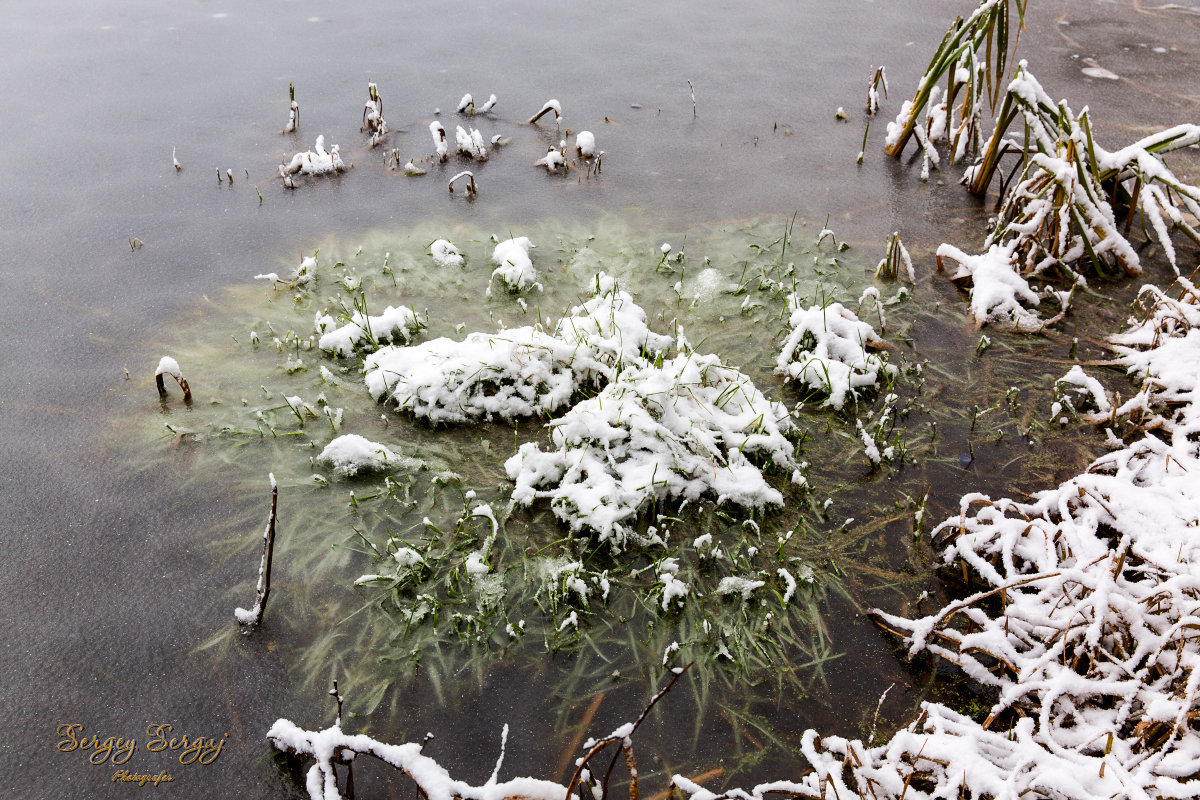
column 126, row 548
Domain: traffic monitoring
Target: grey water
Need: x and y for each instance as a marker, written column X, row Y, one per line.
column 108, row 586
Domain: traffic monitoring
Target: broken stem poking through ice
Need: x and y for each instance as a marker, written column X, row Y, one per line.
column 250, row 618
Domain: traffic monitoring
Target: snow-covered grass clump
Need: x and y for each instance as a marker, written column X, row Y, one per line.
column 678, row 429
column 445, row 254
column 362, row 331
column 826, row 350
column 552, row 160
column 515, row 267
column 350, row 454
column 518, row 372
column 317, row 161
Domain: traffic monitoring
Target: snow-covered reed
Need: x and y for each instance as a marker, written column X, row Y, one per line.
column 896, row 263
column 550, row 106
column 317, row 161
column 1060, row 218
column 470, row 143
column 442, row 147
column 991, row 30
column 331, row 747
column 1065, row 206
column 249, row 617
column 293, row 123
column 372, row 116
column 999, row 295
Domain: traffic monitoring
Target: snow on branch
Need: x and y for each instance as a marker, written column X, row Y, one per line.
column 332, row 746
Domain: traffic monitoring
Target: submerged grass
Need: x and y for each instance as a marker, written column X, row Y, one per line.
column 766, row 614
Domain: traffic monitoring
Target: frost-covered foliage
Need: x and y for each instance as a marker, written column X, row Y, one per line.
column 317, row 161
column 518, row 372
column 445, row 254
column 826, row 350
column 681, row 429
column 361, row 331
column 515, row 267
column 350, row 454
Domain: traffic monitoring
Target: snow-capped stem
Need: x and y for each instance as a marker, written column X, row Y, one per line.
column 372, row 116
column 438, row 132
column 169, row 366
column 294, row 111
column 550, row 106
column 878, row 78
column 471, row 189
column 250, row 618
column 337, row 698
column 896, row 263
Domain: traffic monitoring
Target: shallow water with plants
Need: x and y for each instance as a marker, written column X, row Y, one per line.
column 729, row 199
